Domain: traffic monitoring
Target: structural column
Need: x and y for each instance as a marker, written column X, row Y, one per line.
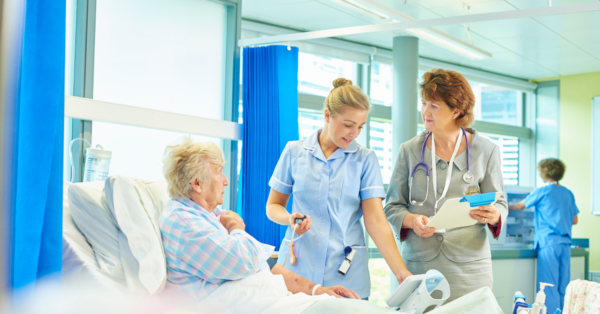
column 404, row 108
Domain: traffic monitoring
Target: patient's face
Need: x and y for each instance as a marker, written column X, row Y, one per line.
column 211, row 194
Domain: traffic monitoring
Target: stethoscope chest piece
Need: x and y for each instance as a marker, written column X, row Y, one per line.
column 468, row 177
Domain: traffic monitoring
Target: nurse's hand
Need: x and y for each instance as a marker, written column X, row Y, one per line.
column 419, row 226
column 486, row 214
column 304, row 226
column 338, row 292
column 403, row 275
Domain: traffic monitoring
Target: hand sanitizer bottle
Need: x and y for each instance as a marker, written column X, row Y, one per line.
column 539, row 307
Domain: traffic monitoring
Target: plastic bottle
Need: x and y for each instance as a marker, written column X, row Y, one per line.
column 97, row 163
column 539, row 307
column 519, row 304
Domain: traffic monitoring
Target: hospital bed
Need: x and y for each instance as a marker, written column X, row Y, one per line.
column 111, row 240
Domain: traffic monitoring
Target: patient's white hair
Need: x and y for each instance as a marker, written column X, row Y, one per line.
column 188, row 161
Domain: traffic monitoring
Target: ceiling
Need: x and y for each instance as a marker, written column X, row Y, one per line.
column 529, row 48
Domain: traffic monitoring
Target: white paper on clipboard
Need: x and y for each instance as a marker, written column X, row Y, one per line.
column 455, row 214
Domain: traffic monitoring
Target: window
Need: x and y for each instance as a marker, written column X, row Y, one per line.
column 309, row 122
column 494, row 103
column 158, row 58
column 497, row 104
column 380, row 281
column 381, row 143
column 509, row 149
column 138, row 152
column 381, row 84
column 161, row 57
column 382, row 77
column 71, row 8
column 316, row 74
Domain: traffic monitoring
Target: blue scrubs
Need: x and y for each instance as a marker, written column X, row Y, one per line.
column 330, row 190
column 554, row 212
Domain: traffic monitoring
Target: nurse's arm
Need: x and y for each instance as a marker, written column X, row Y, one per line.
column 380, row 231
column 277, row 213
column 575, row 220
column 518, row 206
column 276, row 205
column 296, row 284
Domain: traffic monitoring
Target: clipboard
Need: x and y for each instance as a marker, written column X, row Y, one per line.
column 455, row 212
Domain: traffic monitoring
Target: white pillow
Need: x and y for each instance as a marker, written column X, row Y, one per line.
column 77, row 252
column 159, row 195
column 136, row 206
column 97, row 225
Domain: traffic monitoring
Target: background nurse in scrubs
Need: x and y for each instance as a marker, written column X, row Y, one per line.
column 555, row 215
column 334, row 182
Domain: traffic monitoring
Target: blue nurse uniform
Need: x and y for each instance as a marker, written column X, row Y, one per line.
column 330, row 190
column 554, row 212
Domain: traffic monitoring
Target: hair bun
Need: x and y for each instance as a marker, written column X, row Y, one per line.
column 341, row 82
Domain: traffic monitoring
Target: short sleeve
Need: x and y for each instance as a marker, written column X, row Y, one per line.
column 575, row 209
column 533, row 198
column 371, row 183
column 282, row 180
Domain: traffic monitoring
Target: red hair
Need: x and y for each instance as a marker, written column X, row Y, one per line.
column 452, row 88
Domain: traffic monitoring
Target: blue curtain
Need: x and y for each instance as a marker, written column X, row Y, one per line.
column 36, row 233
column 270, row 120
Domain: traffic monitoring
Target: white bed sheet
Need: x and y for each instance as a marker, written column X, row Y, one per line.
column 262, row 293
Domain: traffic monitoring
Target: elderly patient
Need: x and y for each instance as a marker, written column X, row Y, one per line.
column 212, row 258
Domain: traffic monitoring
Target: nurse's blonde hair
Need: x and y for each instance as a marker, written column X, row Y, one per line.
column 345, row 95
column 183, row 163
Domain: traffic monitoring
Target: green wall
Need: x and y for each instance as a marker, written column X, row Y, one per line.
column 576, row 93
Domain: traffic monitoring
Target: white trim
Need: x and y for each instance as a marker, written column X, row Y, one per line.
column 309, row 148
column 454, row 20
column 89, row 109
column 353, row 151
column 282, row 182
column 372, row 187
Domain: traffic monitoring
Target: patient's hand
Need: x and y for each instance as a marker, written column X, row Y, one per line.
column 231, row 221
column 338, row 292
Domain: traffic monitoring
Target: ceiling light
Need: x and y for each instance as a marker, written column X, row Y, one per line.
column 365, row 9
column 471, row 52
column 436, row 36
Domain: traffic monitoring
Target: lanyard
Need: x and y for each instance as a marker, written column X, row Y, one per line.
column 434, row 167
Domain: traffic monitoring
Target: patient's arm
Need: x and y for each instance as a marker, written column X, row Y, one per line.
column 297, row 284
column 210, row 251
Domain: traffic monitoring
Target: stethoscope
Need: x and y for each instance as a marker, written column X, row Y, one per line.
column 467, row 177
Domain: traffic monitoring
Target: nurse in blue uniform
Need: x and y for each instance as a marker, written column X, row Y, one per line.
column 335, row 182
column 555, row 215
